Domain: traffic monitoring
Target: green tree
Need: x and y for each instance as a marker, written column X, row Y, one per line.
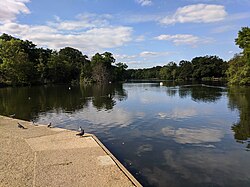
column 185, row 70
column 169, row 72
column 238, row 71
column 208, row 66
column 58, row 70
column 243, row 41
column 239, row 66
column 102, row 69
column 15, row 66
column 42, row 65
column 74, row 60
column 120, row 71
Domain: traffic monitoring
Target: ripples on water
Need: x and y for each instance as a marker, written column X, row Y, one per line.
column 170, row 135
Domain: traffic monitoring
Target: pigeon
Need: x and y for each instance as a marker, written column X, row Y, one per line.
column 49, row 125
column 12, row 115
column 20, row 126
column 33, row 123
column 81, row 133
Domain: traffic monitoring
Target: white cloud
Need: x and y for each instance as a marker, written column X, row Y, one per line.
column 144, row 2
column 197, row 13
column 125, row 57
column 148, row 54
column 184, row 39
column 89, row 34
column 144, row 54
column 9, row 9
column 83, row 21
column 193, row 136
column 153, row 54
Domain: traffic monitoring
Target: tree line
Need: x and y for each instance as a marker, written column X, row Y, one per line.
column 22, row 63
column 207, row 67
column 236, row 71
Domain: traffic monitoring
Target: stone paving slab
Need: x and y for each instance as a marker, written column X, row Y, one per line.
column 41, row 156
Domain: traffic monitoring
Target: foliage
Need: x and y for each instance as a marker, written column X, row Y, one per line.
column 238, row 71
column 198, row 68
column 16, row 65
column 22, row 63
column 239, row 66
column 243, row 41
column 185, row 70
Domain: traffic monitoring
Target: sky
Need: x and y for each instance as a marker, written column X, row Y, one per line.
column 140, row 33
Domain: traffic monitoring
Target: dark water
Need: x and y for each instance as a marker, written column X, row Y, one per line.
column 170, row 135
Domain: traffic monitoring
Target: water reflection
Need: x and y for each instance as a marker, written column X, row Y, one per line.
column 193, row 136
column 239, row 99
column 170, row 135
column 29, row 102
column 201, row 93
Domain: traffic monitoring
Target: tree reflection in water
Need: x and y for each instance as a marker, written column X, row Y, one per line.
column 239, row 98
column 28, row 102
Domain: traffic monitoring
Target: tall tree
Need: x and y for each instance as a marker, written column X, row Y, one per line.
column 243, row 41
column 239, row 66
column 15, row 64
column 185, row 70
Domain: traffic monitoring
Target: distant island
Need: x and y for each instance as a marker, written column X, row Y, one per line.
column 22, row 63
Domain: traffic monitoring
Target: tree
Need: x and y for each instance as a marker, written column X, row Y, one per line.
column 120, row 71
column 108, row 59
column 208, row 66
column 74, row 60
column 16, row 67
column 238, row 71
column 185, row 70
column 21, row 62
column 101, row 73
column 169, row 71
column 243, row 41
column 42, row 65
column 239, row 66
column 58, row 72
column 102, row 67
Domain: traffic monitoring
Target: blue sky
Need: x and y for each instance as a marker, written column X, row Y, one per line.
column 140, row 33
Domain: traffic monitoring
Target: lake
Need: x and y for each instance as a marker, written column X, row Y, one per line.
column 165, row 135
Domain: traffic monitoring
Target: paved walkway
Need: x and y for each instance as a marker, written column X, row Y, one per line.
column 42, row 156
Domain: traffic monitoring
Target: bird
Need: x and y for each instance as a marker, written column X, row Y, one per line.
column 33, row 122
column 12, row 115
column 81, row 133
column 20, row 126
column 49, row 125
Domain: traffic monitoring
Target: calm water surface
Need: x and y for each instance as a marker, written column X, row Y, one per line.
column 170, row 135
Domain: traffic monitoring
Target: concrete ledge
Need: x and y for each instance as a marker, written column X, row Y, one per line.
column 41, row 156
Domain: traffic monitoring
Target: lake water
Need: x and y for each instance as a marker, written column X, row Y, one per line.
column 170, row 135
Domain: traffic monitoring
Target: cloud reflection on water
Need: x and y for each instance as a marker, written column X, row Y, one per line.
column 200, row 168
column 112, row 118
column 193, row 136
column 178, row 113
